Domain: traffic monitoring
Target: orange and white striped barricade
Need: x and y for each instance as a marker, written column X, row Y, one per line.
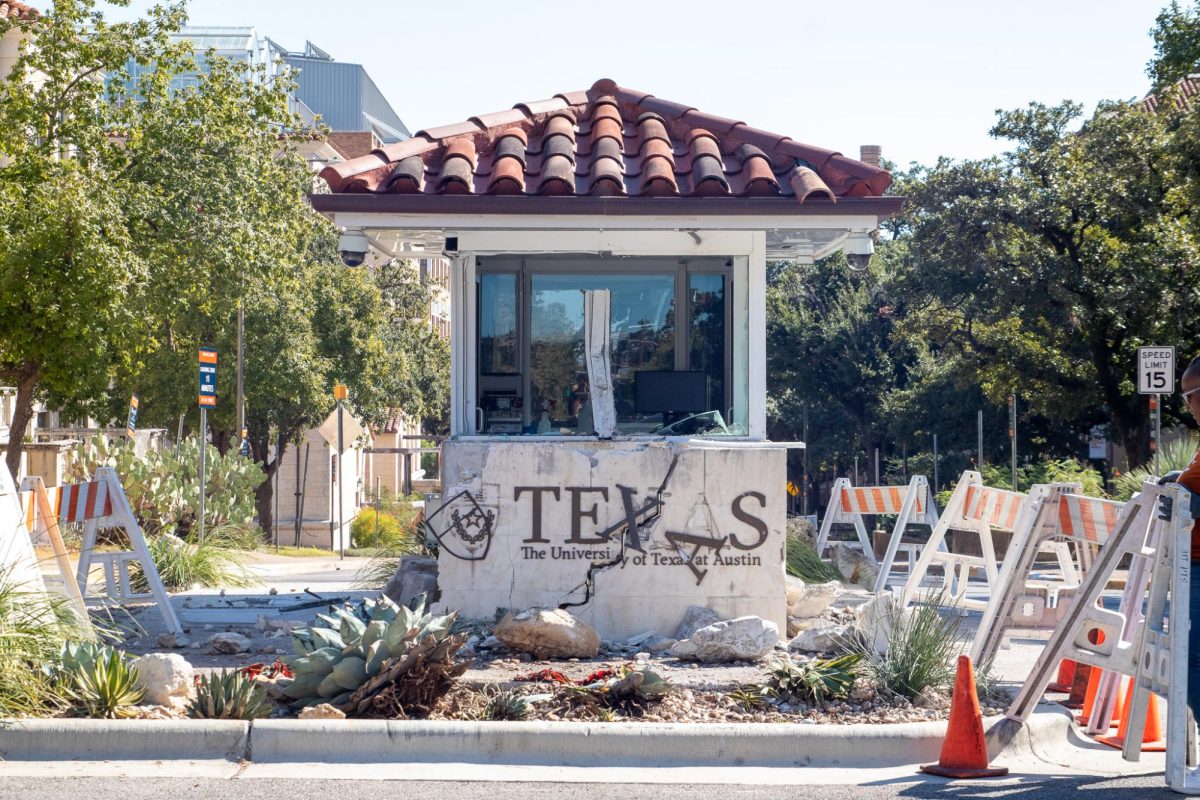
column 912, row 504
column 1031, row 600
column 972, row 508
column 101, row 503
column 1150, row 653
column 41, row 523
column 18, row 560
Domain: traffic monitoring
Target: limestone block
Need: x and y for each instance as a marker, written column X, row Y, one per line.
column 548, row 633
column 825, row 637
column 856, row 566
column 742, row 639
column 811, row 600
column 415, row 576
column 166, row 679
column 321, row 711
column 695, row 618
column 230, row 643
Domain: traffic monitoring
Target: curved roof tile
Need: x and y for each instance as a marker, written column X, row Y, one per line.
column 606, row 141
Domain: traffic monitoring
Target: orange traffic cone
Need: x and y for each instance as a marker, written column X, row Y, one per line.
column 964, row 751
column 1152, row 735
column 1089, row 699
column 1079, row 686
column 1066, row 676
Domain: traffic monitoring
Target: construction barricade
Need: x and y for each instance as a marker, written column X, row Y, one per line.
column 1068, row 526
column 1125, row 642
column 912, row 505
column 979, row 511
column 98, row 504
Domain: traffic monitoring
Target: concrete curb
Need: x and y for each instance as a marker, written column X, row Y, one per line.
column 123, row 740
column 518, row 743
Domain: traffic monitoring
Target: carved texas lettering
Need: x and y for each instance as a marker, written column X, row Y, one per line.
column 676, row 539
column 754, row 522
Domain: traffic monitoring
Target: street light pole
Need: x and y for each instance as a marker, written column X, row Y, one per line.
column 241, row 397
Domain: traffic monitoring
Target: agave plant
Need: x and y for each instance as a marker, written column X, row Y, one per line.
column 506, row 706
column 229, row 695
column 98, row 681
column 813, row 680
column 356, row 651
column 629, row 689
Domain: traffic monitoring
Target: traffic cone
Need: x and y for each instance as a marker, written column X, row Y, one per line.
column 1152, row 735
column 964, row 751
column 1066, row 676
column 1079, row 686
column 1089, row 699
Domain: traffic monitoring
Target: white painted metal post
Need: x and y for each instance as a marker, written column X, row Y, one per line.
column 203, row 441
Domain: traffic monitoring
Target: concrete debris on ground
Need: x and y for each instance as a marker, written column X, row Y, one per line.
column 322, row 711
column 415, row 576
column 742, row 639
column 172, row 641
column 229, row 642
column 695, row 618
column 548, row 633
column 858, row 567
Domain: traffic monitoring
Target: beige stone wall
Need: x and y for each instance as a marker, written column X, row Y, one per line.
column 320, row 493
column 718, row 542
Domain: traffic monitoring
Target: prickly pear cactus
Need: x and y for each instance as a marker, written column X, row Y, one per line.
column 348, row 656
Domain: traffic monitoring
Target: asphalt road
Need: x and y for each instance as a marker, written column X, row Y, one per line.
column 1139, row 788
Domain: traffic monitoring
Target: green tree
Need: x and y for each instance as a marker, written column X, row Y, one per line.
column 71, row 276
column 1176, row 35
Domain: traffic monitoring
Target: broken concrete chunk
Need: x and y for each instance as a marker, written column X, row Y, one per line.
column 548, row 633
column 811, row 600
column 858, row 567
column 742, row 639
column 165, row 678
column 321, row 711
column 824, row 637
column 229, row 643
column 172, row 641
column 416, row 576
column 695, row 618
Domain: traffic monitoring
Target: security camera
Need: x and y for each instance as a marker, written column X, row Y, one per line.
column 352, row 247
column 858, row 249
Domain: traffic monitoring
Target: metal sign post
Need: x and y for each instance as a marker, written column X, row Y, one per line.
column 1012, row 435
column 207, row 399
column 979, row 427
column 131, row 423
column 1156, row 377
column 340, row 393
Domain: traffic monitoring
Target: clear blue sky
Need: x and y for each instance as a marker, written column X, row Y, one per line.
column 922, row 78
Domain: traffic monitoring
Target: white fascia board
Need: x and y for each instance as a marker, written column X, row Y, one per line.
column 620, row 242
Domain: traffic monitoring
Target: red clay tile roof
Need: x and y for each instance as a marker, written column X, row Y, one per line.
column 1185, row 91
column 11, row 9
column 608, row 141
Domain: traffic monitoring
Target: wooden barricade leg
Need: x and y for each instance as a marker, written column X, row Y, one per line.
column 50, row 520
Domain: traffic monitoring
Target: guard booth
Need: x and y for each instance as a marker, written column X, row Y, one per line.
column 608, row 451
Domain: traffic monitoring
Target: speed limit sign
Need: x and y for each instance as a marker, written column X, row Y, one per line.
column 1156, row 370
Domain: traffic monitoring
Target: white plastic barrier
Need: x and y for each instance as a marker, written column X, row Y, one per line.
column 1061, row 520
column 1146, row 651
column 912, row 504
column 99, row 503
column 975, row 509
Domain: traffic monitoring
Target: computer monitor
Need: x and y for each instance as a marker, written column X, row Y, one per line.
column 670, row 392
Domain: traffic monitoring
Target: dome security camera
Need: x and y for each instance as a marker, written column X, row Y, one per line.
column 352, row 247
column 859, row 248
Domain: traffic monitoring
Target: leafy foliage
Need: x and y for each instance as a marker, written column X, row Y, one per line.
column 229, row 694
column 631, row 690
column 1175, row 455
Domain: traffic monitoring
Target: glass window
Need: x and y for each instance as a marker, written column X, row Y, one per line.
column 642, row 326
column 706, row 334
column 498, row 324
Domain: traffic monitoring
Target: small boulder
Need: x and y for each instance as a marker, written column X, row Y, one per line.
column 416, row 575
column 811, row 600
column 172, row 641
column 742, row 639
column 824, row 637
column 858, row 567
column 548, row 633
column 165, row 678
column 695, row 618
column 798, row 625
column 229, row 643
column 659, row 644
column 322, row 711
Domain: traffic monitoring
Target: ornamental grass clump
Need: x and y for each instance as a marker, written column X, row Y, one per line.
column 212, row 561
column 802, row 560
column 922, row 647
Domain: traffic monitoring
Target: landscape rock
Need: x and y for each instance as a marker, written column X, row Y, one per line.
column 742, row 639
column 695, row 618
column 825, row 637
column 798, row 625
column 660, row 644
column 228, row 642
column 172, row 641
column 856, row 566
column 322, row 711
column 416, row 575
column 877, row 617
column 548, row 633
column 165, row 678
column 813, row 599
